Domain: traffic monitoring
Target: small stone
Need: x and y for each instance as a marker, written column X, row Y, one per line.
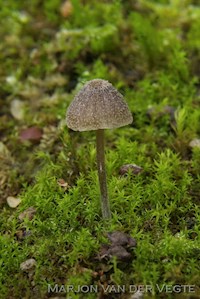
column 28, row 264
column 133, row 168
column 17, row 109
column 195, row 143
column 13, row 202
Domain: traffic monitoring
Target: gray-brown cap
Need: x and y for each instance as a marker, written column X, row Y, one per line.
column 98, row 105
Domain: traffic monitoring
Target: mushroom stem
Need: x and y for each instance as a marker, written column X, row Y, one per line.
column 105, row 207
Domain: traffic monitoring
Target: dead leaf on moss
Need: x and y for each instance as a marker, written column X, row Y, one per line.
column 28, row 213
column 121, row 243
column 133, row 168
column 13, row 202
column 31, row 134
column 121, row 238
column 118, row 251
column 118, row 238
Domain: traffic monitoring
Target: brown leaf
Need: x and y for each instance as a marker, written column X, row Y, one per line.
column 118, row 238
column 119, row 247
column 121, row 238
column 28, row 213
column 133, row 168
column 119, row 252
column 31, row 134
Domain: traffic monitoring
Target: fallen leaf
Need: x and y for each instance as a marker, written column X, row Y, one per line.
column 28, row 264
column 13, row 202
column 119, row 252
column 118, row 238
column 31, row 134
column 133, row 168
column 121, row 238
column 28, row 213
column 119, row 247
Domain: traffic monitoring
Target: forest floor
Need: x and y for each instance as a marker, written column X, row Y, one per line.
column 54, row 242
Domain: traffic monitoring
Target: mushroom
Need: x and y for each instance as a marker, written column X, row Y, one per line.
column 99, row 106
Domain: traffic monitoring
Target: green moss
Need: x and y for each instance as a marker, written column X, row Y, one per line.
column 149, row 51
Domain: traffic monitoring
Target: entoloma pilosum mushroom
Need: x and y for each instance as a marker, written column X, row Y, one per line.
column 99, row 106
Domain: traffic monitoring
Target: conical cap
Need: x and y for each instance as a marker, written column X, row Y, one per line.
column 98, row 105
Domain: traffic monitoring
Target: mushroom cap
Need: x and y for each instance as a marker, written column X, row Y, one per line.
column 98, row 105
